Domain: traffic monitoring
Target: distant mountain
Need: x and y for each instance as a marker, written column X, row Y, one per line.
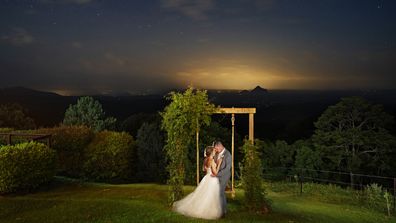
column 281, row 114
column 25, row 92
column 259, row 91
column 244, row 92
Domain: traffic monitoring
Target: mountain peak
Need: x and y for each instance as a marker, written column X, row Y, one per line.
column 259, row 90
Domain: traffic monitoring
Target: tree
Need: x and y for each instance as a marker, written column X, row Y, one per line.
column 252, row 179
column 308, row 159
column 353, row 135
column 88, row 112
column 277, row 157
column 151, row 158
column 181, row 119
column 133, row 123
column 15, row 116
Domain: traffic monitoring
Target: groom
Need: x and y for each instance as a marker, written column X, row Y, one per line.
column 224, row 173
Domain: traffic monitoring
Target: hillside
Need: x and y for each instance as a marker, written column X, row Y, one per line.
column 281, row 114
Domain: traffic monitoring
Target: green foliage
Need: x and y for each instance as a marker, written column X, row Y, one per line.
column 388, row 200
column 6, row 130
column 15, row 116
column 185, row 115
column 150, row 154
column 275, row 155
column 109, row 157
column 133, row 123
column 70, row 143
column 88, row 112
column 374, row 197
column 25, row 166
column 255, row 195
column 352, row 135
column 307, row 159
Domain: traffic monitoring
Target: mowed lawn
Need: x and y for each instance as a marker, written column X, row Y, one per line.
column 68, row 201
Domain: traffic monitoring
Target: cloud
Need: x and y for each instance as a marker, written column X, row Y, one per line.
column 18, row 37
column 195, row 9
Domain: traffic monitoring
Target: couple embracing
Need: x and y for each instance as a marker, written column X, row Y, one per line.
column 208, row 200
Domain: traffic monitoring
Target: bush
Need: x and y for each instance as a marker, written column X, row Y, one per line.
column 255, row 195
column 109, row 157
column 375, row 199
column 70, row 143
column 25, row 166
column 150, row 155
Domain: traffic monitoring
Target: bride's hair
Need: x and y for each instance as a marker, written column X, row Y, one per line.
column 208, row 152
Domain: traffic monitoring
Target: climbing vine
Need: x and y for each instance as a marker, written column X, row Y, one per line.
column 185, row 115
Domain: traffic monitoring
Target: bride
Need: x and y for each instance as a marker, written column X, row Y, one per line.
column 205, row 201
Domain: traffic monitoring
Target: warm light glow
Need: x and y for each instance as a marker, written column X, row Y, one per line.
column 232, row 74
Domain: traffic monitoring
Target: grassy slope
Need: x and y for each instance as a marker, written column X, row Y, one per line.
column 73, row 202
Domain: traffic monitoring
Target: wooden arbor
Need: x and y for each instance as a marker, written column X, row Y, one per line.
column 232, row 111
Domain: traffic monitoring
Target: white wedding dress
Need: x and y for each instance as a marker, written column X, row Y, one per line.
column 204, row 202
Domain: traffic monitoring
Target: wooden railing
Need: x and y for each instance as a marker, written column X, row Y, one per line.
column 35, row 137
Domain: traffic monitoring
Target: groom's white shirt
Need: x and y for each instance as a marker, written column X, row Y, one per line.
column 221, row 154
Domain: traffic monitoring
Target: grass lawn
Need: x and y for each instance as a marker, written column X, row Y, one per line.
column 68, row 201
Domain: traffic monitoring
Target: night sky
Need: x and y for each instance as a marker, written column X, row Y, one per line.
column 92, row 46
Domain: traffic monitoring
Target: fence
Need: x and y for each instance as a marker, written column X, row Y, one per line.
column 7, row 138
column 345, row 179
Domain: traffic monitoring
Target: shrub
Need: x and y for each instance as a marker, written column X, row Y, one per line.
column 374, row 194
column 255, row 195
column 70, row 143
column 150, row 155
column 25, row 166
column 109, row 157
column 388, row 198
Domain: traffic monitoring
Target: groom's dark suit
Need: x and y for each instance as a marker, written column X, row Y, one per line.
column 224, row 175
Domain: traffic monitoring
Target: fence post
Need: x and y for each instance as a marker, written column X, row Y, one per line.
column 351, row 174
column 9, row 139
column 301, row 182
column 394, row 194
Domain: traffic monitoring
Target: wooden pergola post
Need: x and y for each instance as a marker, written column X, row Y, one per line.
column 251, row 127
column 197, row 142
column 233, row 111
column 232, row 153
